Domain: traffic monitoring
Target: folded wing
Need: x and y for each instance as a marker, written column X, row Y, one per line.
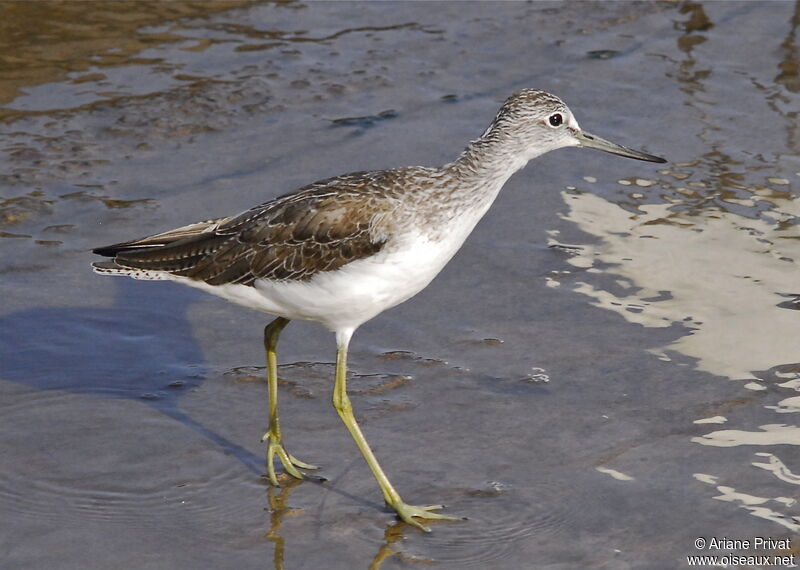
column 320, row 228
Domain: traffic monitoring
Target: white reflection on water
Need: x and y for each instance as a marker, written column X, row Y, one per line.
column 752, row 503
column 770, row 434
column 778, row 468
column 618, row 475
column 724, row 276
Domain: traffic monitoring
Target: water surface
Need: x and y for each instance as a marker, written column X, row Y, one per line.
column 606, row 371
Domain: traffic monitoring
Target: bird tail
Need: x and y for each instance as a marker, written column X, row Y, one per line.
column 113, row 268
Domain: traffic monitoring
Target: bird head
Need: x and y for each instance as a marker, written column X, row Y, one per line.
column 540, row 122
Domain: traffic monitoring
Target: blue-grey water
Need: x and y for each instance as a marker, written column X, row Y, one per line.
column 608, row 370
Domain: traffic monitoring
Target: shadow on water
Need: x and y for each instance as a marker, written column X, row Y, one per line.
column 137, row 349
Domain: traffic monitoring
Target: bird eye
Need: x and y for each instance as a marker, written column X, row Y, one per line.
column 556, row 119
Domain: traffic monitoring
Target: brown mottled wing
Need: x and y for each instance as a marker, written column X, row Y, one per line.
column 320, row 228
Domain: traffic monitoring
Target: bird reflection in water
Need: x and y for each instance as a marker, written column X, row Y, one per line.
column 279, row 508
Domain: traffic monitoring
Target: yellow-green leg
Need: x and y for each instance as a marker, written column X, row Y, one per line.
column 273, row 436
column 341, row 402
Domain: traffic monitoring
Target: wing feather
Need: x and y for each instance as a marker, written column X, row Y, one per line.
column 319, row 228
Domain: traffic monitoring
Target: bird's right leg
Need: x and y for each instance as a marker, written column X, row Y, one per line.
column 273, row 436
column 341, row 401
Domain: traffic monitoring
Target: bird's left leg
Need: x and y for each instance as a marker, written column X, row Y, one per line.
column 273, row 436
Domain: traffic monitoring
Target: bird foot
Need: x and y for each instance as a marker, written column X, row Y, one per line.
column 407, row 513
column 290, row 463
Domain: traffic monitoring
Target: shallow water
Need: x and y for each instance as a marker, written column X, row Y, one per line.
column 606, row 371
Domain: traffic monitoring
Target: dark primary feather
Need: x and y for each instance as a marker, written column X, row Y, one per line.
column 321, row 227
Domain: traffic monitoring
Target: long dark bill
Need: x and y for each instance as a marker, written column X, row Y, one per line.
column 591, row 141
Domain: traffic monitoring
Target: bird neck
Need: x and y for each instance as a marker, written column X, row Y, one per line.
column 492, row 158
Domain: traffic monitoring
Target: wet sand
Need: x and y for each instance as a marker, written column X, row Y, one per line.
column 606, row 371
